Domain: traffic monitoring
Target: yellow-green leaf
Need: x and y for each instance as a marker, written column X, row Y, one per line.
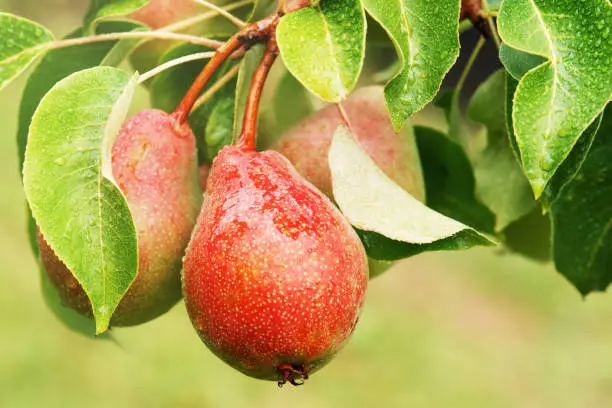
column 323, row 46
column 426, row 37
column 21, row 41
column 555, row 102
column 69, row 185
column 373, row 202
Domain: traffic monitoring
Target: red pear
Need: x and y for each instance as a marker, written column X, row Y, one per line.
column 293, row 5
column 307, row 144
column 160, row 13
column 274, row 277
column 155, row 165
column 157, row 14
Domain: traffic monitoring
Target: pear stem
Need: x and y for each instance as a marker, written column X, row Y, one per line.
column 295, row 375
column 249, row 35
column 247, row 140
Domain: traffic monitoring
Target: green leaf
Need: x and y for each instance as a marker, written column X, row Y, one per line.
column 570, row 166
column 373, row 202
column 53, row 67
column 21, row 41
column 381, row 248
column 123, row 48
column 111, row 8
column 220, row 127
column 557, row 101
column 500, row 182
column 70, row 318
column 582, row 225
column 289, row 114
column 323, row 46
column 511, row 85
column 604, row 134
column 426, row 37
column 69, row 184
column 248, row 65
column 449, row 180
column 470, row 135
column 530, row 236
column 58, row 64
column 518, row 63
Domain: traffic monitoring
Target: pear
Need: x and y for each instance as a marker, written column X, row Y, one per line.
column 307, row 146
column 157, row 14
column 155, row 165
column 274, row 278
column 294, row 5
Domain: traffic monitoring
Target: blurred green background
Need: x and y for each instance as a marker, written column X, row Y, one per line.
column 473, row 329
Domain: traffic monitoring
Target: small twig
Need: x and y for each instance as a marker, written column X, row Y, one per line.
column 344, row 116
column 247, row 138
column 488, row 16
column 156, row 34
column 468, row 66
column 251, row 34
column 222, row 12
column 216, row 86
column 160, row 35
column 472, row 9
column 173, row 63
column 184, row 108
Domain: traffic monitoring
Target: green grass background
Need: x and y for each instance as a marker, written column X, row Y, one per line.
column 473, row 329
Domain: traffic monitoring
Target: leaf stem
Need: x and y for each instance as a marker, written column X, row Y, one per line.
column 488, row 15
column 344, row 116
column 468, row 66
column 216, row 87
column 157, row 34
column 173, row 63
column 247, row 140
column 222, row 12
column 249, row 35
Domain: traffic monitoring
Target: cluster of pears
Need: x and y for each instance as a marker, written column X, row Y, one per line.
column 274, row 277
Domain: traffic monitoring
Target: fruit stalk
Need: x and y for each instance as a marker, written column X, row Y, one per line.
column 249, row 125
column 248, row 36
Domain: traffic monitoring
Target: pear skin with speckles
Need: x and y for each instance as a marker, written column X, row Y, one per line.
column 275, row 277
column 155, row 165
column 307, row 144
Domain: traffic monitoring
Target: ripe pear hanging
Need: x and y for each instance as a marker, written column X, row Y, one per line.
column 155, row 165
column 275, row 277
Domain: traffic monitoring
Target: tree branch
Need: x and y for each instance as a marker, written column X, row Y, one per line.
column 251, row 34
column 247, row 138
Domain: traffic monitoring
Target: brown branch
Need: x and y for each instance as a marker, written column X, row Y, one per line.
column 248, row 36
column 472, row 9
column 247, row 138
